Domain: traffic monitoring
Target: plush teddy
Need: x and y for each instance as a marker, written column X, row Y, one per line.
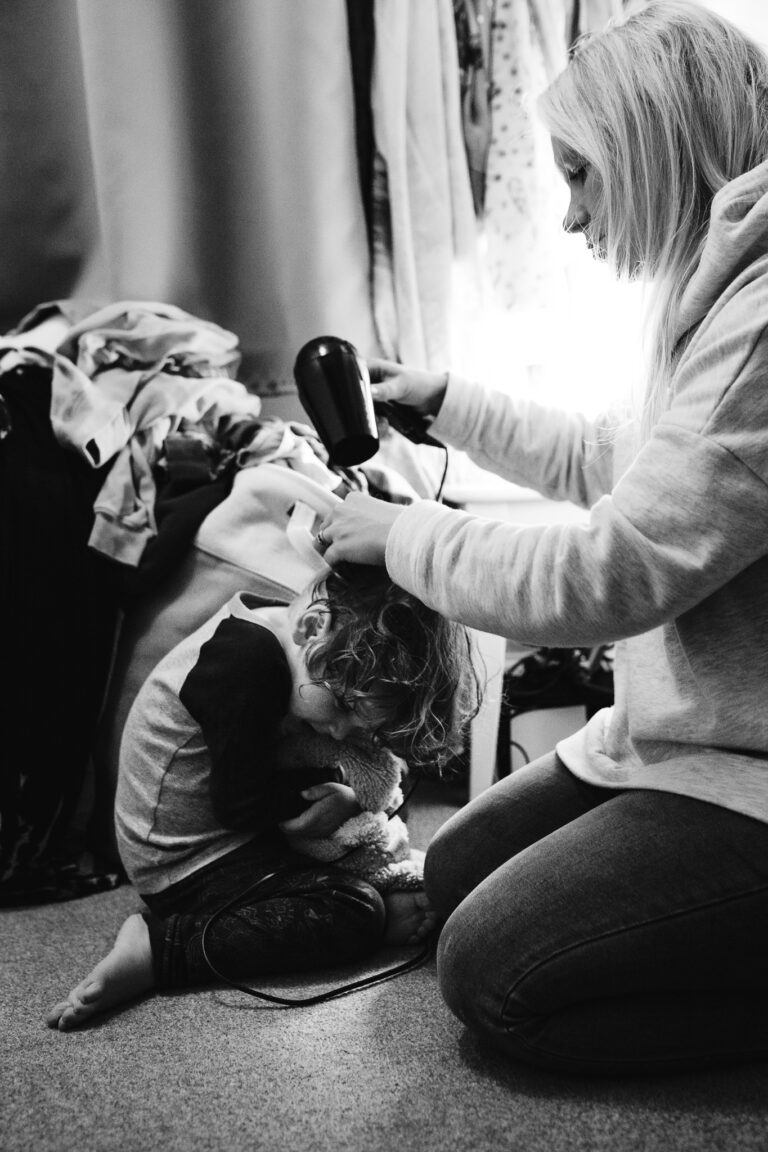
column 373, row 844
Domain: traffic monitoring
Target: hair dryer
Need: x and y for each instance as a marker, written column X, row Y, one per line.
column 335, row 389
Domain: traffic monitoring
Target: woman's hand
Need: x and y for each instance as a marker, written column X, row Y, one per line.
column 357, row 530
column 331, row 806
column 423, row 391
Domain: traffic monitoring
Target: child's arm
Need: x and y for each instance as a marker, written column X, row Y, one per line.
column 238, row 691
column 331, row 805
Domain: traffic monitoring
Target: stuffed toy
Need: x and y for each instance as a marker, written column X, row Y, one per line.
column 373, row 844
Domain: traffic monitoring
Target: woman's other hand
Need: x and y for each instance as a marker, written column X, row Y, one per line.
column 357, row 530
column 423, row 391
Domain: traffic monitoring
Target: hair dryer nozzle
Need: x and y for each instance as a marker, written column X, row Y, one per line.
column 335, row 390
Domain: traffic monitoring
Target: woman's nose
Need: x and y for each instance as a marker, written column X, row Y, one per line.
column 577, row 217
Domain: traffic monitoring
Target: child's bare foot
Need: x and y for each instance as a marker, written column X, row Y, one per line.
column 124, row 972
column 410, row 918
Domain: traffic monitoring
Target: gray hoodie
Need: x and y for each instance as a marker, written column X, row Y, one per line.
column 673, row 562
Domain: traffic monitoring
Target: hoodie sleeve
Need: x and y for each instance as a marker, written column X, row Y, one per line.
column 562, row 455
column 689, row 513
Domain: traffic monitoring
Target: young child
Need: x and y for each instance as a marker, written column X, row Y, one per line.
column 201, row 805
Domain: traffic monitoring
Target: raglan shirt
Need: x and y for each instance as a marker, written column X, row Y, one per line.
column 672, row 564
column 197, row 775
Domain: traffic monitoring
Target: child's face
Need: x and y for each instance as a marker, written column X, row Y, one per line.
column 317, row 706
column 312, row 700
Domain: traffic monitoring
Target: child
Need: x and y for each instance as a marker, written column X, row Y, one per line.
column 201, row 808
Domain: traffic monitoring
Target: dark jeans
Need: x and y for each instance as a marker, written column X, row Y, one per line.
column 307, row 917
column 603, row 932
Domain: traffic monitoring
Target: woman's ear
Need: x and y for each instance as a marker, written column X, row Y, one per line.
column 313, row 623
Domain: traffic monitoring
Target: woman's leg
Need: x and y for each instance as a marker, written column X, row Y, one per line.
column 285, row 914
column 632, row 939
column 506, row 818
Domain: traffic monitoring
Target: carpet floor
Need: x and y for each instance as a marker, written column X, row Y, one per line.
column 387, row 1069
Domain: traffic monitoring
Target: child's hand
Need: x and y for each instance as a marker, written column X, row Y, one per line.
column 331, row 805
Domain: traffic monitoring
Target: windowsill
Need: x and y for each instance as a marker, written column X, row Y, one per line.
column 495, row 499
column 491, row 491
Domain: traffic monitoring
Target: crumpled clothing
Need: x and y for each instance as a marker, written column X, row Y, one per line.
column 123, row 378
column 124, row 508
column 289, row 441
column 115, row 353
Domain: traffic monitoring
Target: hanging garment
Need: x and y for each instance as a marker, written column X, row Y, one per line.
column 423, row 209
column 592, row 15
column 473, row 20
column 528, row 47
column 362, row 36
column 424, row 240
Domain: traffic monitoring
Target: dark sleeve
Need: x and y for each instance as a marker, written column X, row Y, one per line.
column 239, row 692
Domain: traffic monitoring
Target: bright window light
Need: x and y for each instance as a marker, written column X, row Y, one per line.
column 580, row 350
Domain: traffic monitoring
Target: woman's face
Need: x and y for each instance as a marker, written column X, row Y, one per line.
column 584, row 187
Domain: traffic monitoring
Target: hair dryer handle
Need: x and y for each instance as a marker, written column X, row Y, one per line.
column 405, row 421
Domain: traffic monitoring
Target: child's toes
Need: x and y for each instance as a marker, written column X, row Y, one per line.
column 55, row 1014
column 82, row 1003
column 73, row 1015
column 88, row 993
column 424, row 930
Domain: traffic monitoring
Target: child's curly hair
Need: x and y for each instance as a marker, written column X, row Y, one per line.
column 386, row 646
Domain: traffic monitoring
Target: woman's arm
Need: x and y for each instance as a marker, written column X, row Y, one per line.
column 560, row 454
column 684, row 519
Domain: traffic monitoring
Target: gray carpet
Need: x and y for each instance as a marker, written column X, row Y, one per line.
column 388, row 1068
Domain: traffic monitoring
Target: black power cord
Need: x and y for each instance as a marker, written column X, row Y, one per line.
column 334, row 993
column 439, row 493
column 304, row 1001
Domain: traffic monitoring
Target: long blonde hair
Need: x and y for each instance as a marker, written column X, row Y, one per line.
column 667, row 104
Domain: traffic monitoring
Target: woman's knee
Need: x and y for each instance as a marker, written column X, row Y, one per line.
column 468, row 975
column 489, row 992
column 502, row 821
column 494, row 957
column 443, row 872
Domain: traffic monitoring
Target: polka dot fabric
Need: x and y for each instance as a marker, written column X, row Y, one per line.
column 522, row 204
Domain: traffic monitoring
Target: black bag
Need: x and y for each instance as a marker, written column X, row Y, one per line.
column 58, row 619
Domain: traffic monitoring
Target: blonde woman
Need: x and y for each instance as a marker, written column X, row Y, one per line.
column 606, row 908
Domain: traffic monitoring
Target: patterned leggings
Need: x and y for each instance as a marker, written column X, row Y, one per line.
column 306, row 916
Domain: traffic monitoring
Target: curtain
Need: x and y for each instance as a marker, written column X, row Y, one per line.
column 198, row 152
column 424, row 225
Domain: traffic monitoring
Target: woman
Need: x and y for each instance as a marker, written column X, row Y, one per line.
column 607, row 907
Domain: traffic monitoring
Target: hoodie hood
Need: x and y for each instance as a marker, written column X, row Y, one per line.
column 737, row 237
